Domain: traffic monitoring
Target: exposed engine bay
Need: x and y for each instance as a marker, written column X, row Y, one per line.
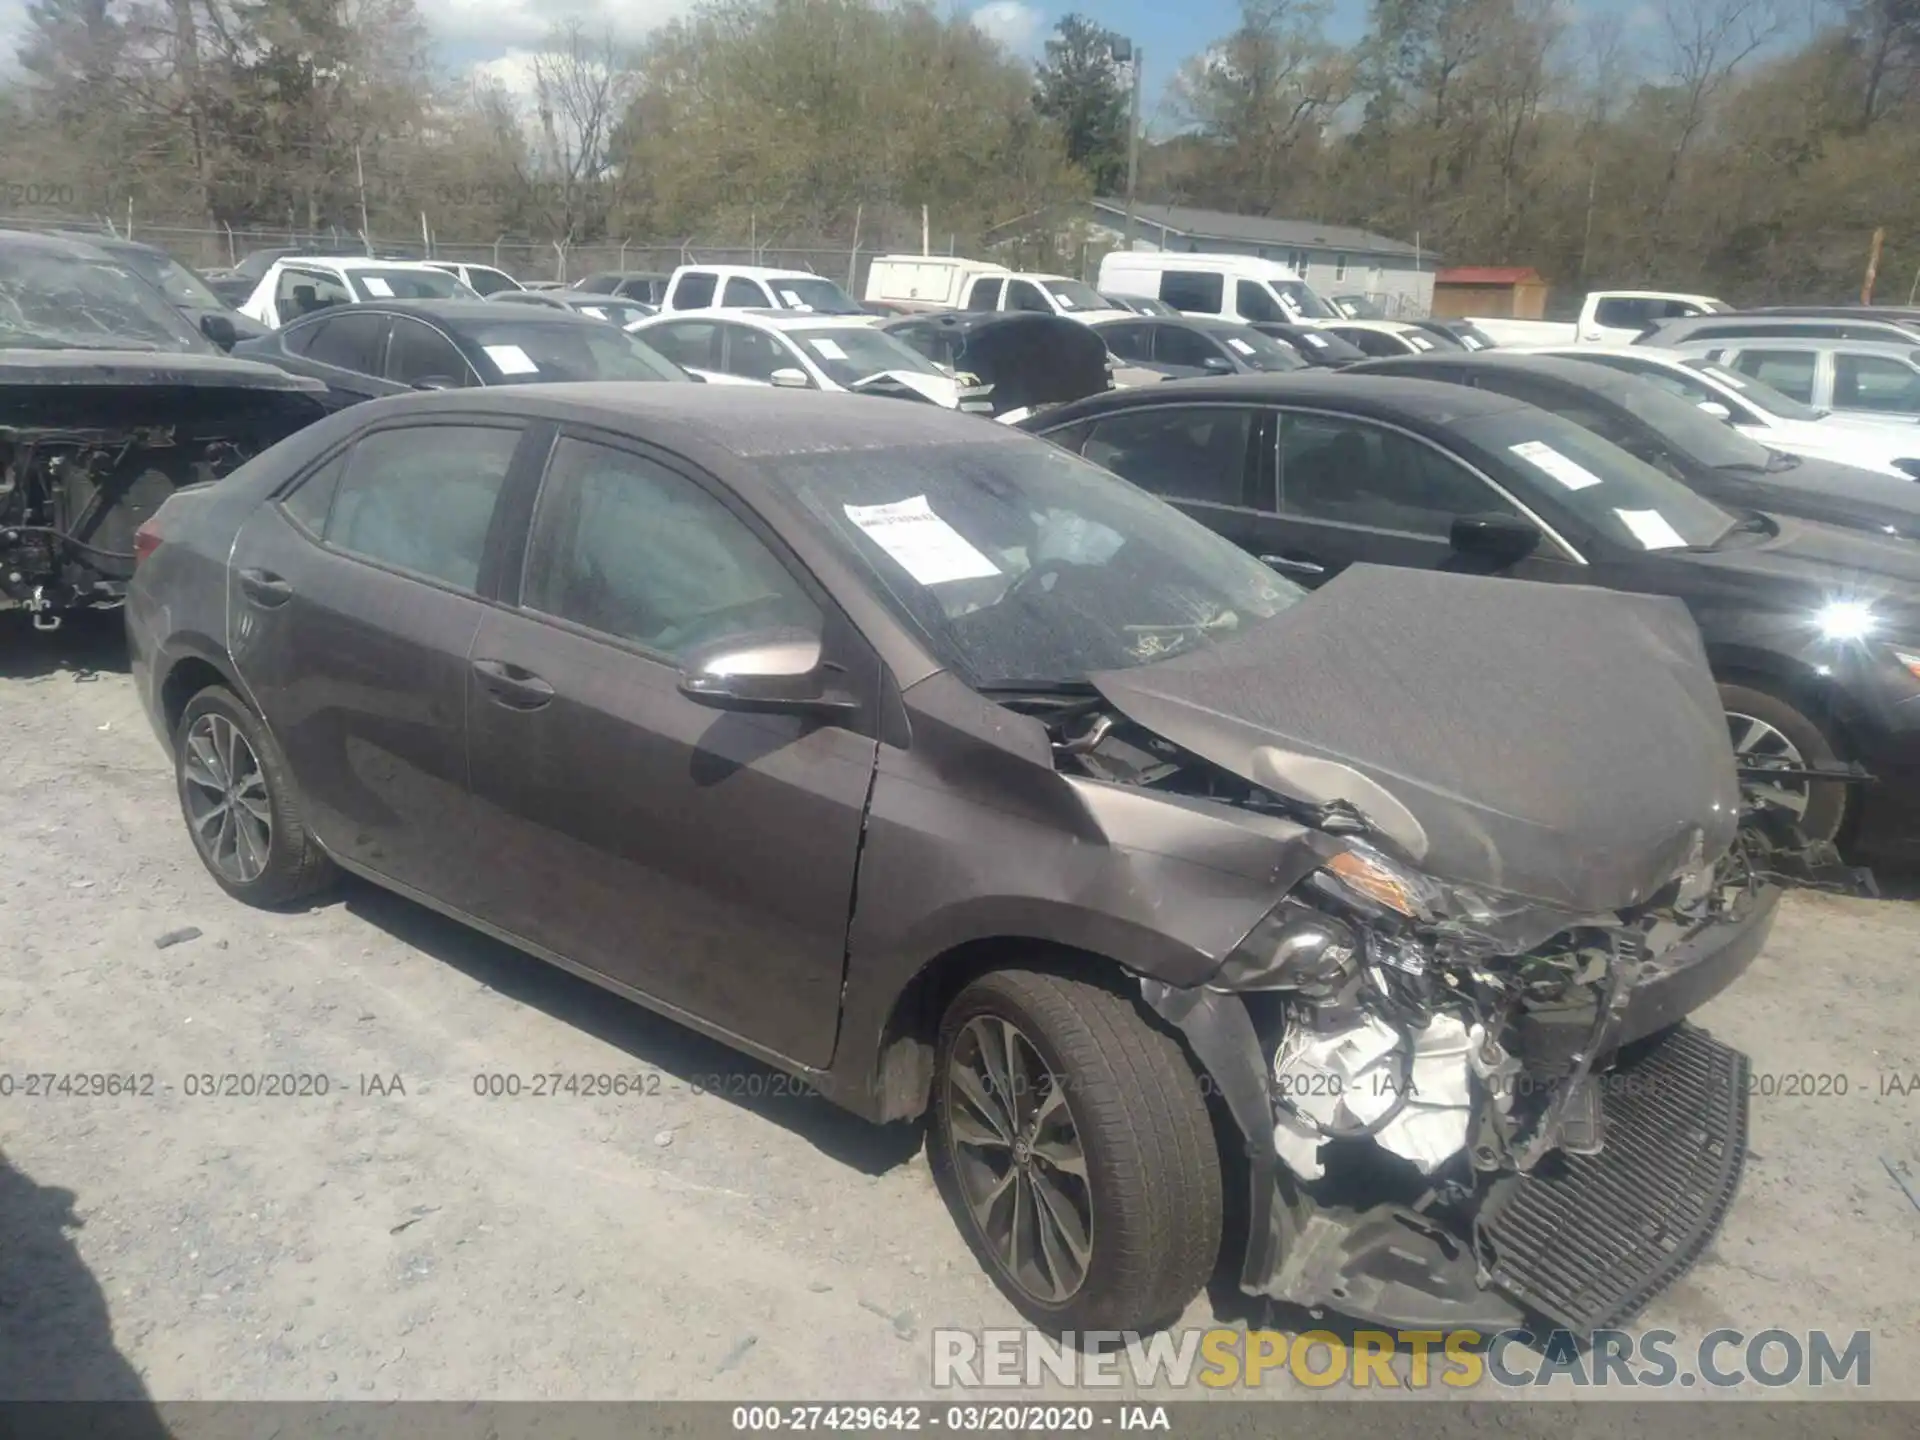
column 1425, row 1045
column 87, row 455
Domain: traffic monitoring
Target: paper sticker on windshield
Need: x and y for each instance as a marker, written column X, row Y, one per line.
column 1543, row 456
column 792, row 301
column 1419, row 342
column 511, row 360
column 829, row 349
column 1065, row 301
column 1319, row 340
column 1651, row 529
column 927, row 547
column 1237, row 344
column 376, row 286
column 594, row 310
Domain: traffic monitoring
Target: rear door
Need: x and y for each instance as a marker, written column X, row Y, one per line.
column 347, row 350
column 354, row 598
column 1199, row 457
column 704, row 859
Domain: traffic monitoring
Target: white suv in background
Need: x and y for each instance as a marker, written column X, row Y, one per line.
column 756, row 287
column 300, row 285
column 797, row 351
column 1755, row 408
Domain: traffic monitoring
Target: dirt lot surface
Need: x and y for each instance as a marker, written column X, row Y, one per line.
column 404, row 1237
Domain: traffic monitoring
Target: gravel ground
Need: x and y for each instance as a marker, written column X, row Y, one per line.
column 403, row 1237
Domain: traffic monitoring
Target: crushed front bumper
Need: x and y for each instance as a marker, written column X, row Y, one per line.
column 1580, row 1242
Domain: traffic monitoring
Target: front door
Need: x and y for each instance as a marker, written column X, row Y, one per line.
column 1335, row 490
column 353, row 605
column 702, row 858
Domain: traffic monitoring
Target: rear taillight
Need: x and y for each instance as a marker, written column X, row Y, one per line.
column 146, row 540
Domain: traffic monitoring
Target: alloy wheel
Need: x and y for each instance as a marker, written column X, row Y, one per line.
column 225, row 793
column 1018, row 1158
column 1758, row 744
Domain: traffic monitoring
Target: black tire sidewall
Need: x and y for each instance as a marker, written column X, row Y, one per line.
column 1827, row 806
column 282, row 878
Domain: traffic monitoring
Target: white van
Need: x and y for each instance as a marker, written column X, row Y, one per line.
column 1226, row 287
column 951, row 283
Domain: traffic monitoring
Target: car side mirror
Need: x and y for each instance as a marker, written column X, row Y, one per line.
column 437, row 382
column 1717, row 410
column 1502, row 539
column 1217, row 364
column 788, row 378
column 766, row 676
column 219, row 329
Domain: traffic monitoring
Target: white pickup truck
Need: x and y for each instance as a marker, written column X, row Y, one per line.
column 1607, row 317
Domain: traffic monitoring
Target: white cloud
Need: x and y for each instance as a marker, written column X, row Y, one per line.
column 519, row 24
column 1013, row 24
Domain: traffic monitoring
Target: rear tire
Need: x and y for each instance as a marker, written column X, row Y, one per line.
column 1772, row 728
column 241, row 806
column 1104, row 1090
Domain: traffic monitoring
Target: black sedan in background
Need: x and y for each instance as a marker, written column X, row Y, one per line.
column 1187, row 349
column 938, row 767
column 390, row 347
column 1813, row 631
column 1706, row 455
column 1319, row 348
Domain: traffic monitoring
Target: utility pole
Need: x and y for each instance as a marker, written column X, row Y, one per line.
column 1129, row 54
column 1873, row 266
column 360, row 175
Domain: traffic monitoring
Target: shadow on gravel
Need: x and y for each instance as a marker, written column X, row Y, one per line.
column 657, row 1042
column 88, row 643
column 56, row 1338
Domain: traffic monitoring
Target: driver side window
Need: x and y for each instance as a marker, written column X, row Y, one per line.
column 1352, row 473
column 626, row 547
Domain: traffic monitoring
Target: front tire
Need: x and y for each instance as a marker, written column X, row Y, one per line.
column 241, row 807
column 1765, row 728
column 1072, row 1142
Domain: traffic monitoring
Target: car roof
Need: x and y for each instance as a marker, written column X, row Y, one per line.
column 774, row 319
column 756, row 424
column 359, row 262
column 1903, row 349
column 1561, row 368
column 70, row 246
column 1385, row 397
column 112, row 244
column 1684, row 323
column 457, row 312
column 758, row 272
column 622, row 275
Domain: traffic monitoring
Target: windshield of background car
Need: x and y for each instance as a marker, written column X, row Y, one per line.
column 1073, row 295
column 1020, row 562
column 533, row 352
column 849, row 354
column 175, row 281
column 409, row 285
column 618, row 312
column 1259, row 352
column 811, row 293
column 1756, row 392
column 1620, row 498
column 1689, row 429
column 1305, row 303
column 50, row 301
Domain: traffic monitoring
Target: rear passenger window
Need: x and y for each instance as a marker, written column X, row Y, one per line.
column 312, row 498
column 1182, row 454
column 1788, row 371
column 421, row 498
column 626, row 547
column 1193, row 290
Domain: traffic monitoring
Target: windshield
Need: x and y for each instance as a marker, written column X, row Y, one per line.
column 1260, row 352
column 371, row 284
column 174, row 280
column 1072, row 295
column 1298, row 295
column 852, row 353
column 50, row 301
column 532, row 352
column 1359, row 307
column 1687, row 428
column 1623, row 500
column 1757, row 392
column 1020, row 562
column 812, row 293
column 619, row 312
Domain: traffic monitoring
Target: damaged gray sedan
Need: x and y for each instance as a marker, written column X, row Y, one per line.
column 927, row 762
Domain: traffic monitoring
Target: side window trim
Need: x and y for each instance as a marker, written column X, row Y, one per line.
column 494, row 561
column 1568, row 550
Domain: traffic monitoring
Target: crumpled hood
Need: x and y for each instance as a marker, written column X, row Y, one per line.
column 1555, row 742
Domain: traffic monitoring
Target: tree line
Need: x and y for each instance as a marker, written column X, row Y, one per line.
column 1749, row 148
